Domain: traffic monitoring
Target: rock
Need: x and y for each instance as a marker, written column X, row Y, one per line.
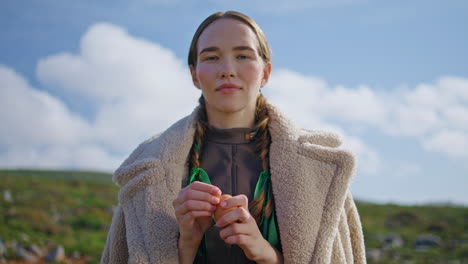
column 12, row 244
column 436, row 228
column 2, row 248
column 24, row 237
column 56, row 217
column 374, row 254
column 36, row 250
column 56, row 254
column 7, row 197
column 75, row 255
column 425, row 242
column 391, row 241
column 25, row 255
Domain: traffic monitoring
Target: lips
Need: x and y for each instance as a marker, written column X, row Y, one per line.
column 228, row 87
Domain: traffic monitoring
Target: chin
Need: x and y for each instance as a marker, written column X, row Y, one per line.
column 230, row 107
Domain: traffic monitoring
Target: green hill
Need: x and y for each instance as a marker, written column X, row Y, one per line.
column 74, row 209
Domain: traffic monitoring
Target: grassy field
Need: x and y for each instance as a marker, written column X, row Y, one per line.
column 74, row 209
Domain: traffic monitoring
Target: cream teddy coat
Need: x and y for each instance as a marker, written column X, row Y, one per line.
column 317, row 218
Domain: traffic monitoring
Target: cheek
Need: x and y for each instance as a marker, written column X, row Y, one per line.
column 204, row 75
column 253, row 72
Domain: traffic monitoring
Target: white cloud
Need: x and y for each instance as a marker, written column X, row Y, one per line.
column 33, row 117
column 361, row 104
column 456, row 88
column 451, row 142
column 138, row 89
column 91, row 157
column 38, row 130
column 457, row 116
column 425, row 95
column 422, row 112
column 138, row 86
column 410, row 120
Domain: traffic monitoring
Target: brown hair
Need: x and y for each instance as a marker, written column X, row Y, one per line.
column 262, row 136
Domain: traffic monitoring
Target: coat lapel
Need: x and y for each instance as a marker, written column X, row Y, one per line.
column 309, row 185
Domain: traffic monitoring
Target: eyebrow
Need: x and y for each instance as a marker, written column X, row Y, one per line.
column 209, row 49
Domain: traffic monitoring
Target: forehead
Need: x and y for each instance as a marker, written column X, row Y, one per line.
column 227, row 33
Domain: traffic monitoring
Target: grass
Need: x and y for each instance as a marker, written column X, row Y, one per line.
column 70, row 208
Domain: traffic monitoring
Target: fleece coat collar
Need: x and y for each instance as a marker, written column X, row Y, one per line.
column 310, row 179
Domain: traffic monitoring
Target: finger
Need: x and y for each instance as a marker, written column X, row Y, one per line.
column 205, row 187
column 239, row 239
column 194, row 205
column 189, row 216
column 240, row 215
column 188, row 192
column 237, row 201
column 192, row 194
column 233, row 229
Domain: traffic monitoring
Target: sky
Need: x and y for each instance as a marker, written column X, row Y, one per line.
column 82, row 83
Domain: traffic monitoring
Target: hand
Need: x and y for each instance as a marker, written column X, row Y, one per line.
column 194, row 206
column 240, row 228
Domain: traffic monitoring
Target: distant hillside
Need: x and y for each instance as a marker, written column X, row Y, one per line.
column 88, row 176
column 74, row 209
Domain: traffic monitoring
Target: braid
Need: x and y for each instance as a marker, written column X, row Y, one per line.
column 262, row 139
column 201, row 127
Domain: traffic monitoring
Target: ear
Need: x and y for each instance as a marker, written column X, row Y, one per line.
column 266, row 74
column 195, row 81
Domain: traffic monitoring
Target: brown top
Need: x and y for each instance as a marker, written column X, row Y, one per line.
column 229, row 159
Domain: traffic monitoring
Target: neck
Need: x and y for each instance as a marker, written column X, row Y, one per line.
column 224, row 120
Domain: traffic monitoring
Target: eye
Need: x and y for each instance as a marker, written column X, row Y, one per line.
column 210, row 58
column 242, row 57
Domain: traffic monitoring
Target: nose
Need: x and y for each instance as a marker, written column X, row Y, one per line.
column 227, row 69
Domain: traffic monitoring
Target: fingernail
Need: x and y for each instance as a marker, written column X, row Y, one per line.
column 223, row 204
column 215, row 200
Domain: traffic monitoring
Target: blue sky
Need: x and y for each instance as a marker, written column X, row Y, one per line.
column 83, row 82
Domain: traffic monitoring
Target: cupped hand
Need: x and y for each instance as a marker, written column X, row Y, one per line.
column 239, row 227
column 194, row 206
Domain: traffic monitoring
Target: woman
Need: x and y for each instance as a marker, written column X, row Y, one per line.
column 290, row 201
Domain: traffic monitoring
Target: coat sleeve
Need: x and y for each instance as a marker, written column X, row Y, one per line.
column 115, row 250
column 348, row 246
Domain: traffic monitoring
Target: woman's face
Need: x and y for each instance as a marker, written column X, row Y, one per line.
column 229, row 70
